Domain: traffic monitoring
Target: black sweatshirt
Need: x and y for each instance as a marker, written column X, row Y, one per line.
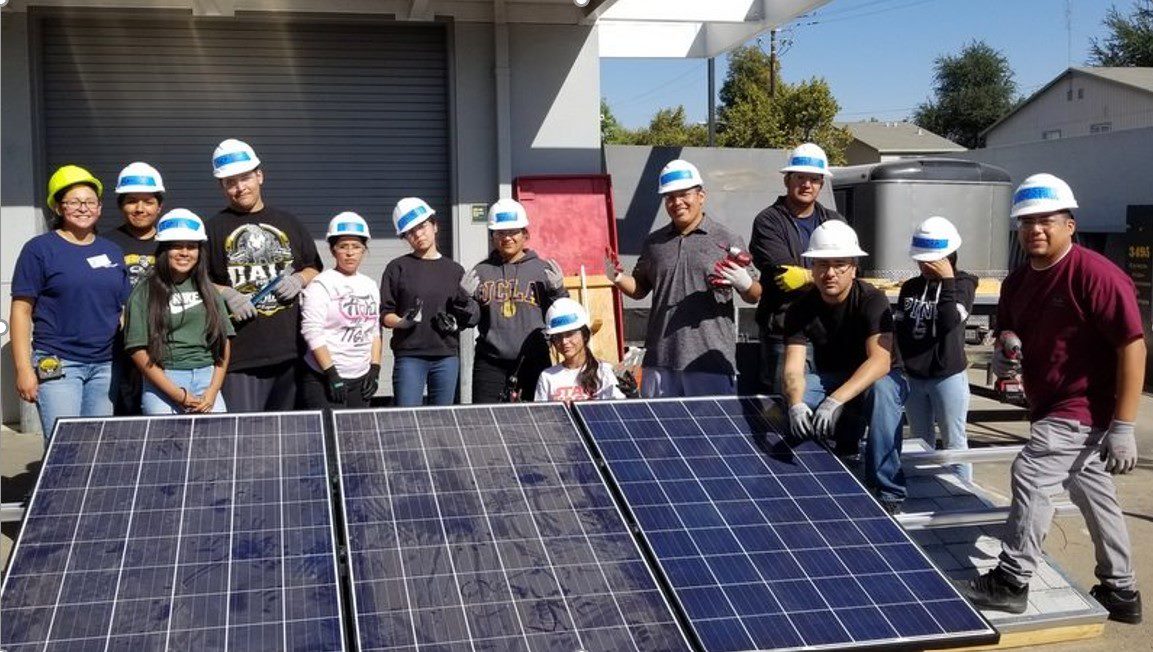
column 437, row 284
column 930, row 323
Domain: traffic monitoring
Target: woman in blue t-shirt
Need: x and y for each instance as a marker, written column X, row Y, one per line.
column 67, row 291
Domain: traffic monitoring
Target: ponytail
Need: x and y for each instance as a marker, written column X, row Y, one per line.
column 589, row 376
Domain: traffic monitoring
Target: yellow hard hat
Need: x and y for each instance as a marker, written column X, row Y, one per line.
column 70, row 175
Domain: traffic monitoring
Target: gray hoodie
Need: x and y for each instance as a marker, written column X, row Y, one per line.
column 513, row 299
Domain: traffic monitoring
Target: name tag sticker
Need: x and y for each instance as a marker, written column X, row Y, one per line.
column 97, row 262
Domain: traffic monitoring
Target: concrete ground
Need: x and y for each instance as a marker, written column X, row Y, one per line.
column 990, row 423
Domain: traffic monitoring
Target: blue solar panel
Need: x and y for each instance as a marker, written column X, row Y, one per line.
column 182, row 533
column 767, row 545
column 490, row 528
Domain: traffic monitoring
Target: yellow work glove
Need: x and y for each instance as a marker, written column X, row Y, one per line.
column 793, row 278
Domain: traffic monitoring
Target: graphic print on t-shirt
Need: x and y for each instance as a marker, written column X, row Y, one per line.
column 363, row 314
column 571, row 393
column 256, row 254
column 139, row 265
column 181, row 301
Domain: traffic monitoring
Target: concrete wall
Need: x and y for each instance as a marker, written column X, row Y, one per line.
column 1093, row 100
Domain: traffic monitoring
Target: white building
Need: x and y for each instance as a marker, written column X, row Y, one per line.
column 875, row 141
column 1079, row 102
column 351, row 104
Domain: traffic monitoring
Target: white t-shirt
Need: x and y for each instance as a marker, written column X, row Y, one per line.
column 342, row 313
column 559, row 383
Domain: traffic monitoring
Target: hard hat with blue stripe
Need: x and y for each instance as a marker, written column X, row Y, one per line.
column 409, row 213
column 180, row 225
column 808, row 158
column 507, row 214
column 233, row 157
column 1042, row 193
column 139, row 177
column 565, row 315
column 347, row 223
column 934, row 239
column 678, row 175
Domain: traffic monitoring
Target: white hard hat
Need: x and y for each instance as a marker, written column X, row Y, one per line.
column 808, row 158
column 180, row 225
column 507, row 214
column 139, row 177
column 679, row 175
column 834, row 239
column 1042, row 193
column 347, row 223
column 934, row 239
column 409, row 213
column 565, row 315
column 233, row 157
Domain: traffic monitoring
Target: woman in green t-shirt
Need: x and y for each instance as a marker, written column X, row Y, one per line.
column 177, row 325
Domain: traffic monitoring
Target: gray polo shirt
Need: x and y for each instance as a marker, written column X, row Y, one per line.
column 690, row 324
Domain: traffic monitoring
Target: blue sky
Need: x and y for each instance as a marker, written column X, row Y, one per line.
column 877, row 55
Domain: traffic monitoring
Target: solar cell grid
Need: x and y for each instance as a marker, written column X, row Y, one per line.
column 767, row 545
column 489, row 528
column 207, row 532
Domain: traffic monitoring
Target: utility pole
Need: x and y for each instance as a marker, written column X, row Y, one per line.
column 712, row 102
column 773, row 62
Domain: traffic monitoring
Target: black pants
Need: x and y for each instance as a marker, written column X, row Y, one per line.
column 261, row 389
column 489, row 377
column 314, row 395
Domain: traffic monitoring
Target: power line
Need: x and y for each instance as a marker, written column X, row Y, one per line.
column 819, row 20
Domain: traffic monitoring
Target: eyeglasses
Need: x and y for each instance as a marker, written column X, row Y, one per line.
column 820, row 267
column 801, row 179
column 76, row 204
column 557, row 338
column 1045, row 222
column 352, row 247
column 507, row 233
column 683, row 195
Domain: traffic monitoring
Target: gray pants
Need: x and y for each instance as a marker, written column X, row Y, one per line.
column 1063, row 454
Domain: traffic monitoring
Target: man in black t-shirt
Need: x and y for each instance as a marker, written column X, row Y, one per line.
column 140, row 196
column 260, row 258
column 858, row 369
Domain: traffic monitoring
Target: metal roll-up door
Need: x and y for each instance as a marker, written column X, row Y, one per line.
column 344, row 116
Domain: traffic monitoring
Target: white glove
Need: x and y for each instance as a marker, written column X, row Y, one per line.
column 801, row 421
column 470, row 282
column 239, row 304
column 288, row 287
column 411, row 317
column 736, row 275
column 826, row 416
column 1119, row 447
column 613, row 267
column 553, row 274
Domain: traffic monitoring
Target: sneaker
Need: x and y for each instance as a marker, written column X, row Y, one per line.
column 994, row 590
column 1123, row 606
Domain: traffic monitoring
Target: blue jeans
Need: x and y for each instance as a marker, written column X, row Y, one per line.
column 944, row 401
column 879, row 409
column 196, row 381
column 83, row 391
column 661, row 382
column 410, row 374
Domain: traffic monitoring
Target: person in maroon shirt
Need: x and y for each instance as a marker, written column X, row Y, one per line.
column 1082, row 366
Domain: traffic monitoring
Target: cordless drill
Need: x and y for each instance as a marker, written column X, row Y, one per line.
column 733, row 254
column 1009, row 387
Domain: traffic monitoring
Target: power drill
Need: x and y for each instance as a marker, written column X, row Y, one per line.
column 1010, row 388
column 733, row 254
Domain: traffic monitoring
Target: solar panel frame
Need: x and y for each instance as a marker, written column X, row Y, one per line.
column 502, row 461
column 124, row 561
column 692, row 572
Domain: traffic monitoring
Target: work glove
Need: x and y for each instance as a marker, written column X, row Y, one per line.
column 470, row 282
column 553, row 274
column 370, row 383
column 1002, row 365
column 411, row 317
column 239, row 304
column 826, row 416
column 613, row 266
column 737, row 276
column 801, row 421
column 334, row 388
column 445, row 324
column 793, row 277
column 1119, row 447
column 288, row 287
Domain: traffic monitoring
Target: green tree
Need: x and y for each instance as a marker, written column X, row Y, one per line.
column 973, row 89
column 795, row 113
column 671, row 128
column 612, row 132
column 1130, row 39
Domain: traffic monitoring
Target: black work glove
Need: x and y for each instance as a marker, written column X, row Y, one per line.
column 627, row 383
column 334, row 388
column 445, row 324
column 370, row 383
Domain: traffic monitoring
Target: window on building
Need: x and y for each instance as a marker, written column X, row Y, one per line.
column 1069, row 95
column 1080, row 93
column 1052, row 134
column 1100, row 127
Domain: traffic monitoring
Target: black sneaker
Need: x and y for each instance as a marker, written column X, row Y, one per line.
column 1123, row 606
column 994, row 590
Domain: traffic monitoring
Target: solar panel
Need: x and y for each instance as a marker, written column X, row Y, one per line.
column 490, row 528
column 767, row 545
column 183, row 533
